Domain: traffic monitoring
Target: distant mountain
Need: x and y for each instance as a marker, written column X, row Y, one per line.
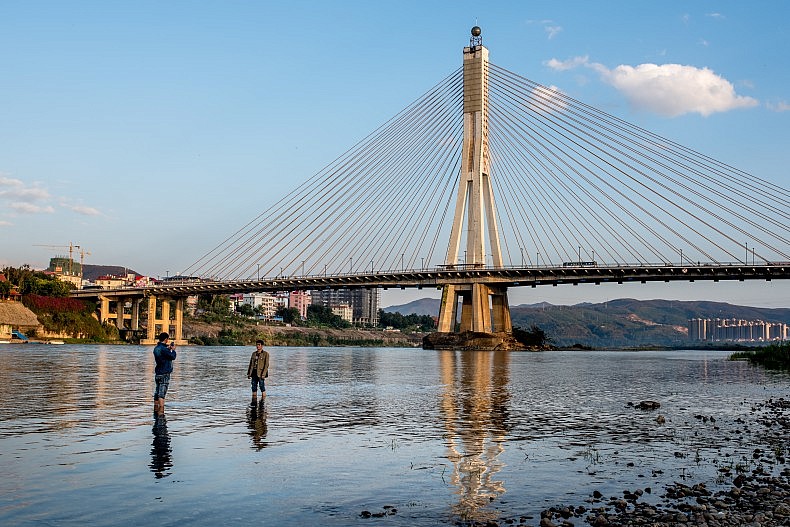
column 423, row 306
column 630, row 323
column 617, row 323
column 92, row 272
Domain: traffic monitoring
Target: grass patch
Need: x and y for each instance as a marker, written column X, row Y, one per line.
column 772, row 357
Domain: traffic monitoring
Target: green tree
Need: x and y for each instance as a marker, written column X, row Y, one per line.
column 323, row 316
column 18, row 275
column 215, row 304
column 411, row 322
column 534, row 336
column 290, row 315
column 246, row 310
column 30, row 282
column 38, row 283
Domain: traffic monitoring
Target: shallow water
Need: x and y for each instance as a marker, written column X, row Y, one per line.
column 442, row 437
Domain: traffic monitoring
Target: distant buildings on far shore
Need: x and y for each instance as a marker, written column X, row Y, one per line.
column 360, row 307
column 735, row 330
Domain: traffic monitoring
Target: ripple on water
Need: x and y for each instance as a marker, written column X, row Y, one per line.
column 439, row 436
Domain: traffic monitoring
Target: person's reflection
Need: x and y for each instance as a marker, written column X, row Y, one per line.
column 161, row 453
column 474, row 407
column 256, row 422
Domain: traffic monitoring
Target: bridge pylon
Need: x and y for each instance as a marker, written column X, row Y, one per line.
column 485, row 314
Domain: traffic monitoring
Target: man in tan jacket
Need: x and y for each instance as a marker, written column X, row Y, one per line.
column 258, row 370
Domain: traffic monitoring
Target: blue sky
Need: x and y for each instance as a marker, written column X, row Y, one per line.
column 147, row 132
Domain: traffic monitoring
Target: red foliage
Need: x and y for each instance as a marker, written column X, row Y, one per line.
column 54, row 304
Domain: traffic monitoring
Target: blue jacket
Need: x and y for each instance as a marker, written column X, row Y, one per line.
column 164, row 358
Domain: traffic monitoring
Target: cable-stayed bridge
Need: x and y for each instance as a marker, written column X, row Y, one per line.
column 490, row 180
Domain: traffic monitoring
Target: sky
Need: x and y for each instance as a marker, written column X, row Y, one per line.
column 146, row 132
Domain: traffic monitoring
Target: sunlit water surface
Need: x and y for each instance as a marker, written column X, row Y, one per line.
column 440, row 437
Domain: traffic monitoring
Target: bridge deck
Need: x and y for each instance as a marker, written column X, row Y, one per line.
column 463, row 275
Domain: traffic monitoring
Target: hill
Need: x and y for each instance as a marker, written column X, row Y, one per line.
column 92, row 272
column 422, row 306
column 617, row 323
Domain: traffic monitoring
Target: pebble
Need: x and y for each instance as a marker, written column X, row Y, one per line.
column 760, row 498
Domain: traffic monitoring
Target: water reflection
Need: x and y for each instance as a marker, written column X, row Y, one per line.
column 256, row 422
column 475, row 410
column 161, row 452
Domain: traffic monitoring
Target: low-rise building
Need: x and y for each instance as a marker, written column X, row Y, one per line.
column 265, row 303
column 344, row 311
column 14, row 316
column 300, row 300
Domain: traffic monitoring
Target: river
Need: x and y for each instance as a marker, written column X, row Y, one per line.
column 360, row 436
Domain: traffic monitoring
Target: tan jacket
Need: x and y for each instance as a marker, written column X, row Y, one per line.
column 262, row 371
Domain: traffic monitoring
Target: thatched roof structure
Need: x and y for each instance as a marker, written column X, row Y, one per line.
column 16, row 315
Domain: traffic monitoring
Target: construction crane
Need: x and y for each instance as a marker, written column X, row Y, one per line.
column 83, row 253
column 70, row 247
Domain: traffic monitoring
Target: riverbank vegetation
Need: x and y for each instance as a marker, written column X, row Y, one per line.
column 69, row 316
column 47, row 297
column 772, row 357
column 533, row 337
column 214, row 323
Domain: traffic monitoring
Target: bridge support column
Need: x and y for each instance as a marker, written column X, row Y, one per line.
column 104, row 309
column 484, row 324
column 178, row 335
column 500, row 311
column 467, row 310
column 120, row 302
column 448, row 312
column 135, row 314
column 164, row 322
column 476, row 219
column 151, row 329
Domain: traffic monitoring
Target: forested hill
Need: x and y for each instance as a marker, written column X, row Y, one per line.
column 618, row 323
column 92, row 272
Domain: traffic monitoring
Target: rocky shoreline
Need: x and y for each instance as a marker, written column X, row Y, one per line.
column 759, row 497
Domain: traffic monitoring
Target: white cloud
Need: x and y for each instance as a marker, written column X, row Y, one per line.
column 560, row 65
column 14, row 189
column 781, row 106
column 549, row 26
column 666, row 89
column 674, row 89
column 704, row 42
column 30, row 208
column 552, row 31
column 4, row 223
column 9, row 182
column 85, row 210
column 25, row 198
column 717, row 16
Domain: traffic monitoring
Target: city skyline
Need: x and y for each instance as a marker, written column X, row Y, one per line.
column 147, row 133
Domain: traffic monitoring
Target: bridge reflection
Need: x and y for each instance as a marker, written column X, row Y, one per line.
column 474, row 406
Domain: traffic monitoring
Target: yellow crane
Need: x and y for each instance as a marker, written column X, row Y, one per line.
column 83, row 253
column 70, row 247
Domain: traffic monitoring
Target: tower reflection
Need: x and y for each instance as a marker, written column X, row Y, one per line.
column 474, row 407
column 161, row 452
column 256, row 422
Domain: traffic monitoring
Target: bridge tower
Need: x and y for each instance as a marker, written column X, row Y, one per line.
column 484, row 307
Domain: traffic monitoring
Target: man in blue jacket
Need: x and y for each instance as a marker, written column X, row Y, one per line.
column 164, row 354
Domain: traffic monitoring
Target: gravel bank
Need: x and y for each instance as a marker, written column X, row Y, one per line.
column 753, row 494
